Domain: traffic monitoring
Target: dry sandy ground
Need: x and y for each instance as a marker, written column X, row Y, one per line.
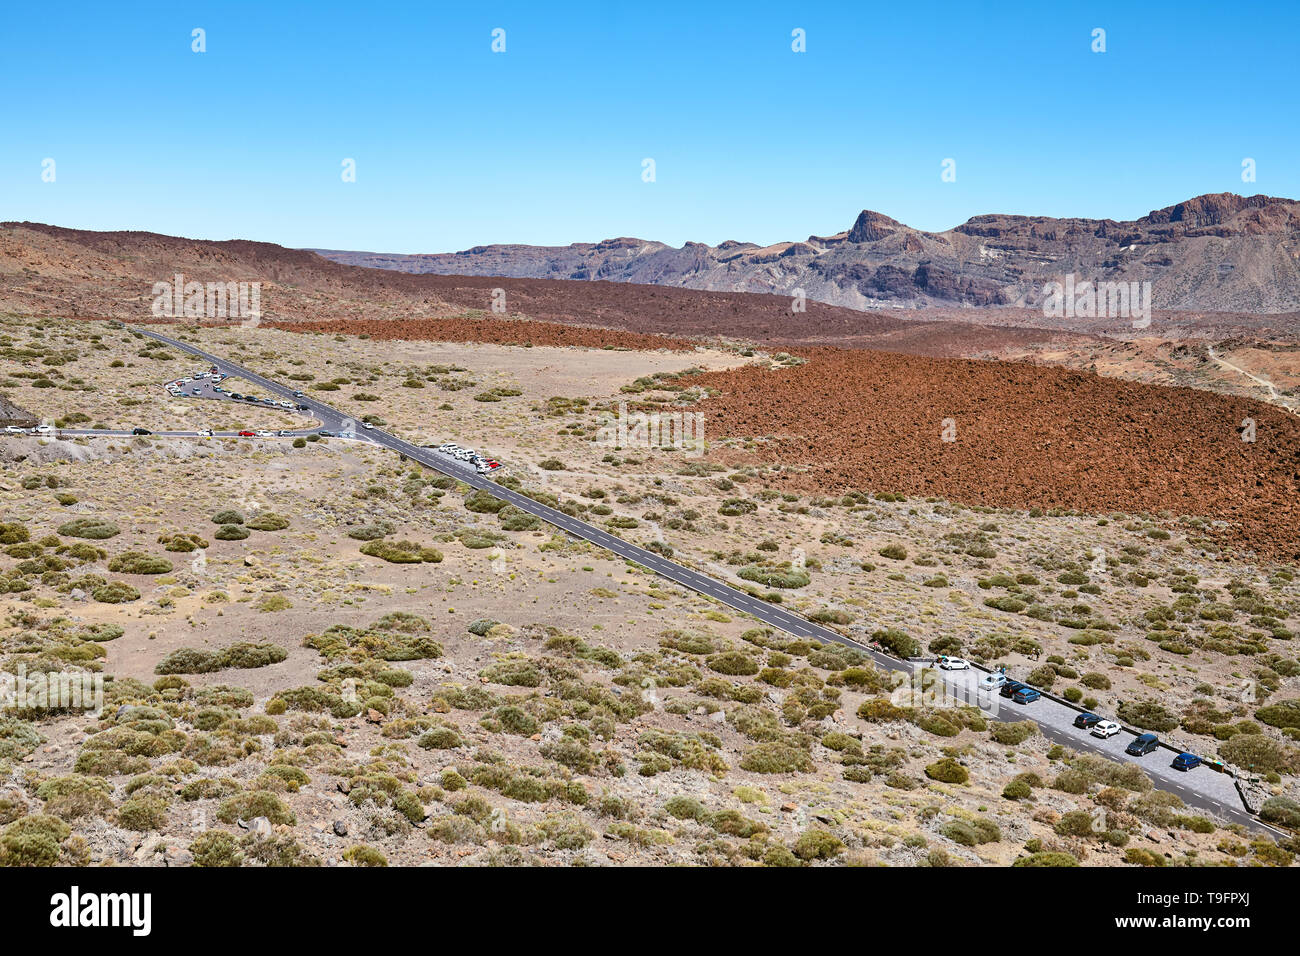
column 778, row 769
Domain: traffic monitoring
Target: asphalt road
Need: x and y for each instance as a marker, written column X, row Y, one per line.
column 1202, row 787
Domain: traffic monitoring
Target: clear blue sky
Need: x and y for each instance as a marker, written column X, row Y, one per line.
column 457, row 146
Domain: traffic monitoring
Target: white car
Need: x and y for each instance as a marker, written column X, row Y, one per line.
column 43, row 429
column 954, row 664
column 1106, row 729
column 993, row 681
column 13, row 430
column 264, row 434
column 367, row 425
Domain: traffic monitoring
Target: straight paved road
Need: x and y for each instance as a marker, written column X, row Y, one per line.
column 1203, row 788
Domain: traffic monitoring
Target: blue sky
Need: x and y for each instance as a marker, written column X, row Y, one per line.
column 456, row 145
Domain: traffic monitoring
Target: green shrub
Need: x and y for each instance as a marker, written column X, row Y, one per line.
column 686, row 808
column 363, row 855
column 947, row 770
column 18, row 738
column 440, row 738
column 231, row 532
column 1260, row 754
column 1014, row 733
column 787, row 578
column 268, row 521
column 1147, row 714
column 115, row 592
column 817, row 844
column 143, row 813
column 93, row 528
column 776, row 757
column 216, row 848
column 1281, row 810
column 401, row 552
column 255, row 803
column 897, row 642
column 13, row 532
column 33, row 841
column 242, row 654
column 1017, row 790
column 1048, row 858
column 733, row 664
column 371, row 532
column 1285, row 713
column 137, row 562
column 179, row 541
column 229, row 516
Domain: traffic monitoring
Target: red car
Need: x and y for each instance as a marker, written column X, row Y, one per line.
column 247, row 435
column 493, row 463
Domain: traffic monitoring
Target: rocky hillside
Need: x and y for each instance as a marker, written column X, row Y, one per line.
column 1221, row 253
column 49, row 270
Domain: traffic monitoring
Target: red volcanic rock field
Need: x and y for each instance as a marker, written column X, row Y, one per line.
column 493, row 331
column 1027, row 436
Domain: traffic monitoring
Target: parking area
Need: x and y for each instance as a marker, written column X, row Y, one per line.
column 1201, row 787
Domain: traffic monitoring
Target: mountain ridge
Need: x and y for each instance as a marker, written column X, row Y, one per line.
column 1217, row 252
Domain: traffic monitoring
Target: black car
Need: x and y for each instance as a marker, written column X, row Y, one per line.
column 325, row 434
column 237, row 395
column 1010, row 687
column 1087, row 721
column 1142, row 745
column 141, row 431
column 302, row 408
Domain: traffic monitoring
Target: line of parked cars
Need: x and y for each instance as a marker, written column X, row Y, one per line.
column 1096, row 725
column 481, row 463
column 177, row 386
column 36, row 430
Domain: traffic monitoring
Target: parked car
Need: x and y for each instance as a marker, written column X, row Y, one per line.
column 993, row 681
column 1142, row 745
column 301, row 408
column 954, row 664
column 1106, row 729
column 1186, row 762
column 247, row 434
column 263, row 433
column 1087, row 721
column 368, row 425
column 141, row 431
column 206, row 433
column 325, row 433
column 1010, row 687
column 43, row 429
column 1025, row 695
column 237, row 395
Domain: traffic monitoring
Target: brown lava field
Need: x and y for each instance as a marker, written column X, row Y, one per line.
column 1026, row 436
